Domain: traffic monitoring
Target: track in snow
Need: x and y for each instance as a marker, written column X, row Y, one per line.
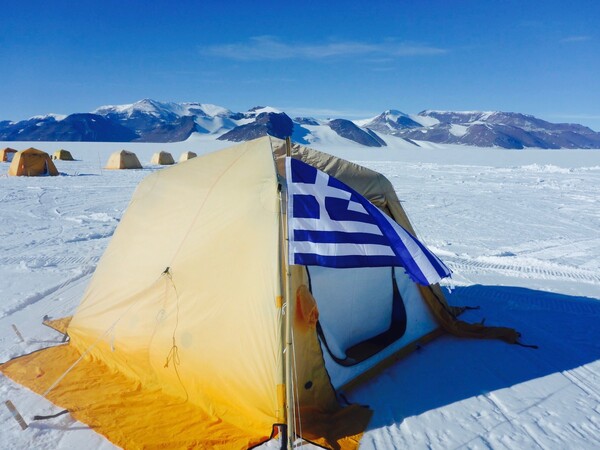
column 523, row 270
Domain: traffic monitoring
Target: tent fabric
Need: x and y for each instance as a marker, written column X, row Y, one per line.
column 346, row 319
column 162, row 158
column 63, row 155
column 59, row 325
column 419, row 322
column 186, row 156
column 182, row 317
column 380, row 191
column 32, row 163
column 123, row 160
column 7, row 154
column 134, row 416
column 128, row 414
column 203, row 242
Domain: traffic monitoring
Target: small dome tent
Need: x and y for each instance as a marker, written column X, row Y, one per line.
column 162, row 159
column 63, row 155
column 177, row 341
column 7, row 154
column 123, row 160
column 32, row 163
column 186, row 156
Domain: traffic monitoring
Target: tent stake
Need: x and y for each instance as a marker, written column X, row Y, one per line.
column 18, row 417
column 18, row 333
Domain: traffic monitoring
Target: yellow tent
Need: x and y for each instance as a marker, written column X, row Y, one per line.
column 6, row 154
column 32, row 163
column 187, row 155
column 177, row 342
column 162, row 158
column 63, row 155
column 123, row 160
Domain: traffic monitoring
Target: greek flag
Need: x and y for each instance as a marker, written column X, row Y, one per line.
column 331, row 225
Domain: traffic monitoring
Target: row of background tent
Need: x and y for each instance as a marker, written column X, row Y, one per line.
column 128, row 160
column 34, row 162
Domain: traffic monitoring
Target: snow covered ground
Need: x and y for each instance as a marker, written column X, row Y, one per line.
column 520, row 230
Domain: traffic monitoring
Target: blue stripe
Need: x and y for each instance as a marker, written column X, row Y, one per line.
column 302, row 172
column 339, row 237
column 338, row 209
column 344, row 262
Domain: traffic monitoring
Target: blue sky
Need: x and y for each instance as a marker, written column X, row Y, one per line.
column 315, row 58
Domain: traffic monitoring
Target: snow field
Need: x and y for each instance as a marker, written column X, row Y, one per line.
column 519, row 229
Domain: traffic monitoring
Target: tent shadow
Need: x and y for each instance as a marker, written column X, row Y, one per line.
column 47, row 426
column 451, row 369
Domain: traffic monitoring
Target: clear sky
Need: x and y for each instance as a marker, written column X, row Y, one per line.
column 350, row 59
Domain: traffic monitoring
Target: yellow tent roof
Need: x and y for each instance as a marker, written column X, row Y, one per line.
column 62, row 154
column 187, row 155
column 162, row 158
column 123, row 160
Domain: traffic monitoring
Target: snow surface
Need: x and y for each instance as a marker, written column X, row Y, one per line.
column 458, row 130
column 157, row 108
column 57, row 117
column 426, row 121
column 520, row 230
column 266, row 109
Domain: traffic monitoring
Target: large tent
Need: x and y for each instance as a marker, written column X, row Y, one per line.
column 177, row 342
column 123, row 160
column 63, row 155
column 32, row 163
column 7, row 154
column 162, row 159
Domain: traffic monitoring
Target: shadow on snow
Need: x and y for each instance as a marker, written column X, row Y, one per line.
column 452, row 369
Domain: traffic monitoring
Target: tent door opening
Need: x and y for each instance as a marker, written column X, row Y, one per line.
column 361, row 311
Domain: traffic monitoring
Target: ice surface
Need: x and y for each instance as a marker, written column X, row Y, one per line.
column 520, row 230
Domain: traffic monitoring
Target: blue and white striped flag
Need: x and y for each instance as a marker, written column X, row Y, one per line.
column 331, row 225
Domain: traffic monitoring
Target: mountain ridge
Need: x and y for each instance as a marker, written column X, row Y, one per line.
column 150, row 120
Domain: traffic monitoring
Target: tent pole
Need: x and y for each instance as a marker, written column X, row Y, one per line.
column 280, row 301
column 289, row 390
column 281, row 324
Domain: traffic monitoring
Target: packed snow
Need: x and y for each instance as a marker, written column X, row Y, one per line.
column 458, row 130
column 519, row 229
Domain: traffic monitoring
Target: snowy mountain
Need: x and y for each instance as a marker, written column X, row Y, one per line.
column 264, row 123
column 499, row 129
column 390, row 122
column 153, row 121
column 349, row 130
column 75, row 127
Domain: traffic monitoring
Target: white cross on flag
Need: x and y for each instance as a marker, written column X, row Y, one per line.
column 331, row 225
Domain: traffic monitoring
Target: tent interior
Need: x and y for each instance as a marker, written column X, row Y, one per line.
column 7, row 154
column 365, row 315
